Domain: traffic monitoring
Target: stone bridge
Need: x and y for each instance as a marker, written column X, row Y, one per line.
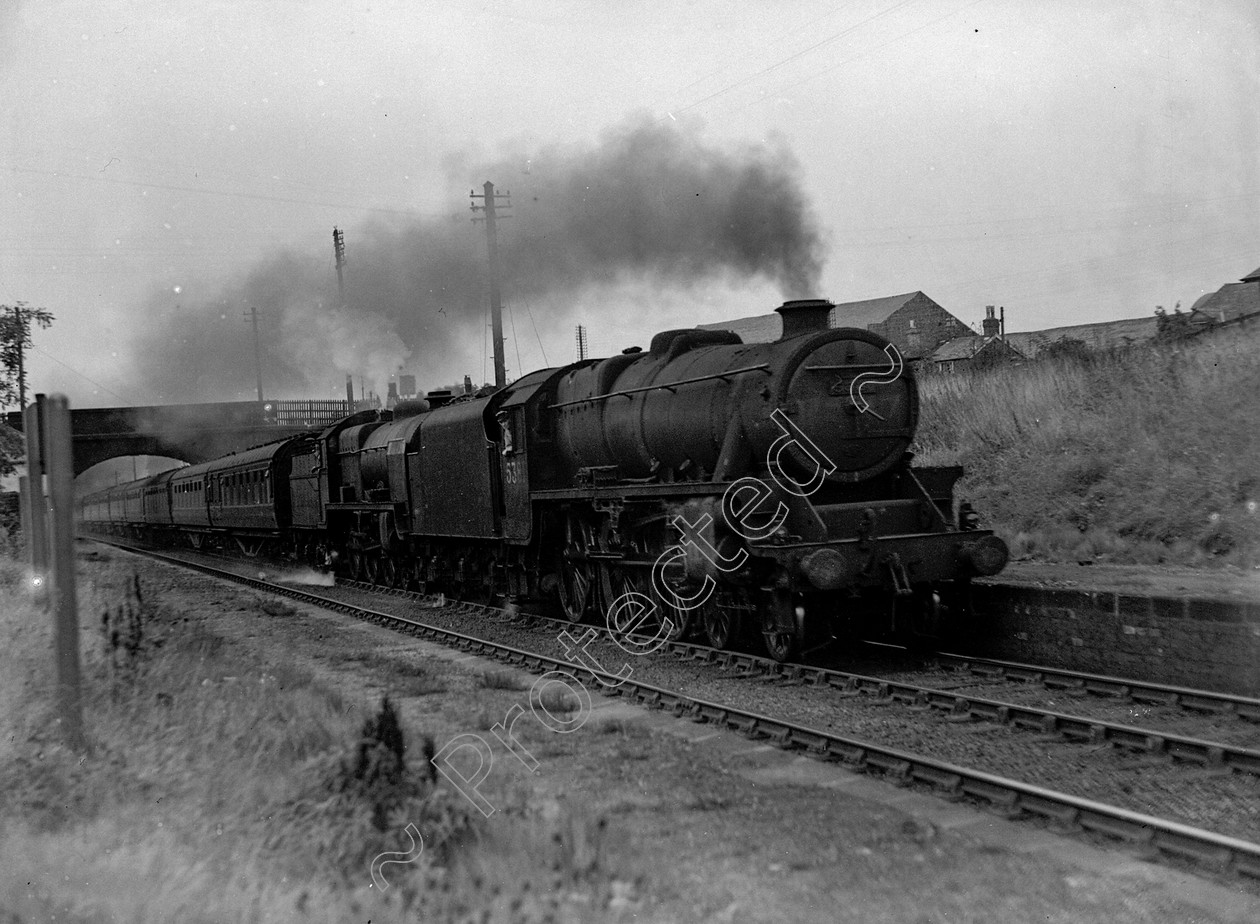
column 189, row 432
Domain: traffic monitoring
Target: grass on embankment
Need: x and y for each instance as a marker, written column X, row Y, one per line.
column 222, row 788
column 1147, row 457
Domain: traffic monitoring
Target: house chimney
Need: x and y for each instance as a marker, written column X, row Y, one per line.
column 804, row 316
column 991, row 324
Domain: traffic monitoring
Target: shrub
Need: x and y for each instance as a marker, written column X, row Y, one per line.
column 1143, row 455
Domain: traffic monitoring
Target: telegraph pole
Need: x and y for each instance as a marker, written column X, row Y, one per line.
column 21, row 356
column 58, row 455
column 252, row 316
column 339, row 253
column 489, row 202
column 339, row 257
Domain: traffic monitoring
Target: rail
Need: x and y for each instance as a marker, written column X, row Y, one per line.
column 666, row 386
column 1216, row 851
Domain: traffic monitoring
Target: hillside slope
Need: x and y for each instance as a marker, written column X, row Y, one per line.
column 1153, row 456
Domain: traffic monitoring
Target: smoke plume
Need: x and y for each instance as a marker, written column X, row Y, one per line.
column 647, row 201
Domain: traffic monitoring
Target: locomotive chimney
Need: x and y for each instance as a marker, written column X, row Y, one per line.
column 804, row 316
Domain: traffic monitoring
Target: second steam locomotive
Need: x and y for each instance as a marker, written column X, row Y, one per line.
column 728, row 486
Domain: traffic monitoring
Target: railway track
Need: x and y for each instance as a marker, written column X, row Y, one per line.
column 1204, row 701
column 1012, row 797
column 963, row 705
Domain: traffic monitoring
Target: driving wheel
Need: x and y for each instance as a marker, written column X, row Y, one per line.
column 577, row 574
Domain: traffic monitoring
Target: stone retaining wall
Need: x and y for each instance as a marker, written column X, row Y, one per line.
column 1212, row 644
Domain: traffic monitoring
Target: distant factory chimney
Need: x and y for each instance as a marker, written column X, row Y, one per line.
column 391, row 397
column 406, row 385
column 992, row 326
column 350, row 391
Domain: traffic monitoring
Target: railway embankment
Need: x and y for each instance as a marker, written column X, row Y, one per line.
column 1149, row 456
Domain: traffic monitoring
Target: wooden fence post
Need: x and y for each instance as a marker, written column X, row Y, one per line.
column 60, row 464
column 37, row 539
column 24, row 505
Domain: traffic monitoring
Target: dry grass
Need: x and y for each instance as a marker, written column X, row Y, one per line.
column 274, row 607
column 404, row 677
column 221, row 788
column 501, row 680
column 1151, row 456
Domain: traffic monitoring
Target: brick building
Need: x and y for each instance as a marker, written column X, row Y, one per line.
column 913, row 322
column 973, row 352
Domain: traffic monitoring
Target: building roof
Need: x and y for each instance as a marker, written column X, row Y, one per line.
column 1253, row 276
column 763, row 328
column 760, row 328
column 870, row 311
column 1230, row 301
column 967, row 347
column 958, row 348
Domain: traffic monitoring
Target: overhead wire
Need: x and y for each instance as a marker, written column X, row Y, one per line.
column 199, row 171
column 827, row 70
column 760, row 45
column 204, row 190
column 788, row 60
column 546, row 362
column 83, row 376
column 520, row 368
column 1096, row 261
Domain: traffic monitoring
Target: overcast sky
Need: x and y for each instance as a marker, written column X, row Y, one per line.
column 167, row 164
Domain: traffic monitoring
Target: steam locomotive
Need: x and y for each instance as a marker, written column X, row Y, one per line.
column 733, row 488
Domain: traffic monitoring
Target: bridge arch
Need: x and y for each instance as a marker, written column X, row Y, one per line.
column 189, row 432
column 116, row 469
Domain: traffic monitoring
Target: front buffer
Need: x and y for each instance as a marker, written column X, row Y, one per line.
column 891, row 558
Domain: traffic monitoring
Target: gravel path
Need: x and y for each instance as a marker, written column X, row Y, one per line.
column 721, row 846
column 1224, row 801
